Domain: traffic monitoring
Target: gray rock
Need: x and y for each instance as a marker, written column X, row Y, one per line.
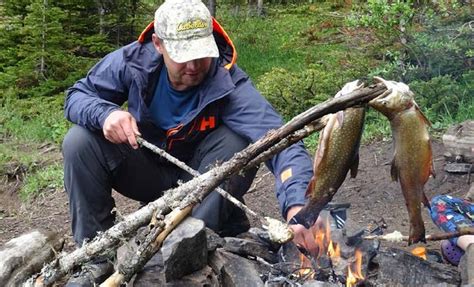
column 396, row 266
column 152, row 273
column 233, row 270
column 214, row 241
column 185, row 249
column 250, row 247
column 204, row 277
column 466, row 266
column 314, row 283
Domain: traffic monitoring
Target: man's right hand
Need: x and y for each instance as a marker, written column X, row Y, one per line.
column 121, row 127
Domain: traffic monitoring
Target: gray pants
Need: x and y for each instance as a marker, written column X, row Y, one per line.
column 93, row 166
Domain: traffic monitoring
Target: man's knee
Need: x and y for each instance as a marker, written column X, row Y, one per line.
column 223, row 143
column 232, row 140
column 76, row 141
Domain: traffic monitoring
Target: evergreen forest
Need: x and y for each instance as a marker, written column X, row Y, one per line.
column 298, row 54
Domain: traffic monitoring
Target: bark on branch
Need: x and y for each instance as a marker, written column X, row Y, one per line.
column 396, row 236
column 203, row 184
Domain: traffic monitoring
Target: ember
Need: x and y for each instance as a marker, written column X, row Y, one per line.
column 419, row 251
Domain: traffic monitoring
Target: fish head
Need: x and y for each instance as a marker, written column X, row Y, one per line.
column 349, row 87
column 397, row 98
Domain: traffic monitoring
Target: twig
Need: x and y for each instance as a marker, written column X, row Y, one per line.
column 193, row 172
column 396, row 236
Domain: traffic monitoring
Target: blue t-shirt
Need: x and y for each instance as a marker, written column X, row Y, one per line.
column 168, row 106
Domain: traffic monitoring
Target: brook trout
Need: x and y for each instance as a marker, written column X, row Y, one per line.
column 337, row 153
column 412, row 163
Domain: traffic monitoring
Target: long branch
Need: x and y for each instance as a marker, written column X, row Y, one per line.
column 111, row 238
column 396, row 236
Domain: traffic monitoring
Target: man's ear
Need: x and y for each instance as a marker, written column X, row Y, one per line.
column 157, row 43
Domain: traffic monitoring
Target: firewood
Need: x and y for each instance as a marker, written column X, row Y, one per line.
column 126, row 271
column 203, row 184
column 396, row 236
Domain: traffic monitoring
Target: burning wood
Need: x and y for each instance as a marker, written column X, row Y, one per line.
column 354, row 270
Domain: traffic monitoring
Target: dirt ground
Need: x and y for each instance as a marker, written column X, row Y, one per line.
column 372, row 196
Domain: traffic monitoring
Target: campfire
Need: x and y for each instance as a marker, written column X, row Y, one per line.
column 327, row 263
column 344, row 258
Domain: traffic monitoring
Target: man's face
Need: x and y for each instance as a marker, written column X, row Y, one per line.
column 183, row 75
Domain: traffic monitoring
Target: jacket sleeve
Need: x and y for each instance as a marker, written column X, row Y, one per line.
column 249, row 114
column 90, row 100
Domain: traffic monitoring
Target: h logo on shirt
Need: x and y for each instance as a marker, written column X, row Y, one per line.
column 207, row 123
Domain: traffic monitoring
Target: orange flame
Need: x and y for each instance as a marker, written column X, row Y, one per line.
column 322, row 238
column 334, row 251
column 305, row 266
column 419, row 251
column 354, row 272
column 326, row 246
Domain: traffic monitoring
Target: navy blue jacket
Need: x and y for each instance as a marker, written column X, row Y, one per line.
column 227, row 96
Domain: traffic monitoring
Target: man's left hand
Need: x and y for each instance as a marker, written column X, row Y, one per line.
column 303, row 237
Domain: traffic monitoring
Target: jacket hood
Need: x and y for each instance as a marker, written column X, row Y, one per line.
column 227, row 52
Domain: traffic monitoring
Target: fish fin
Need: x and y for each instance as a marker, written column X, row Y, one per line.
column 432, row 169
column 310, row 187
column 340, row 118
column 324, row 137
column 425, row 200
column 355, row 166
column 421, row 114
column 394, row 171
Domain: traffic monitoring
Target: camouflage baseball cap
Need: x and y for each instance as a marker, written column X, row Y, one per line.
column 185, row 26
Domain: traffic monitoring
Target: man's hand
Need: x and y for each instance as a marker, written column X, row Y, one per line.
column 121, row 127
column 303, row 237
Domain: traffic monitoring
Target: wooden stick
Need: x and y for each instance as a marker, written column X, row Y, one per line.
column 193, row 172
column 396, row 236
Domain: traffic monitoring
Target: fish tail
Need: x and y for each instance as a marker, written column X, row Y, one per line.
column 417, row 226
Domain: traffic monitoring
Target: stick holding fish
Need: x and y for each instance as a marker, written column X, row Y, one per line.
column 412, row 163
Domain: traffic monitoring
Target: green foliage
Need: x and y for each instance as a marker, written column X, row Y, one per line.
column 293, row 93
column 297, row 54
column 376, row 127
column 435, row 56
column 445, row 100
column 37, row 119
column 31, row 161
column 47, row 179
column 436, row 49
column 387, row 18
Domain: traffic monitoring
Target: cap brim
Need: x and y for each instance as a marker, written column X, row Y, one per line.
column 182, row 51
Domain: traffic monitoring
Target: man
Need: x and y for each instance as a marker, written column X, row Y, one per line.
column 186, row 95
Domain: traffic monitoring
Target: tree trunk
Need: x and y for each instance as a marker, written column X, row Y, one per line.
column 101, row 11
column 212, row 6
column 259, row 7
column 42, row 69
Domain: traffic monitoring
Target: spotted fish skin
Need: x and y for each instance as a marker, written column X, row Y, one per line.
column 412, row 163
column 337, row 153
